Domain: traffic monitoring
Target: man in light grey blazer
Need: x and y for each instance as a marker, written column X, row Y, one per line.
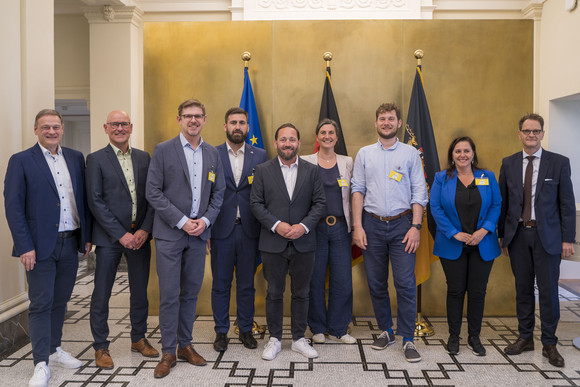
column 123, row 220
column 185, row 186
column 288, row 200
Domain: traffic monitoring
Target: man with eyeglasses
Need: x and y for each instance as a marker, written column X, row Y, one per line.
column 234, row 239
column 538, row 226
column 123, row 221
column 45, row 203
column 185, row 186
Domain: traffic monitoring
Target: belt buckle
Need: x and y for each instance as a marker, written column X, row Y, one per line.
column 330, row 220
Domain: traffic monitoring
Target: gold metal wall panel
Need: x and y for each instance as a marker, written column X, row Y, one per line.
column 478, row 78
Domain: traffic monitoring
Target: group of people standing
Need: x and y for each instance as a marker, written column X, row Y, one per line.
column 301, row 214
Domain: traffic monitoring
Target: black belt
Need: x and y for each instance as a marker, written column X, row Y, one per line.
column 528, row 224
column 331, row 220
column 68, row 234
column 388, row 218
column 238, row 221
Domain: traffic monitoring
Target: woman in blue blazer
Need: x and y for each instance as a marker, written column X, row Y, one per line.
column 465, row 203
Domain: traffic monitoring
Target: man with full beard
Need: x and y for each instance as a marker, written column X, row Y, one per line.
column 288, row 200
column 389, row 193
column 234, row 241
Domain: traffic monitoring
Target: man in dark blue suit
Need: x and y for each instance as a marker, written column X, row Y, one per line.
column 123, row 221
column 46, row 210
column 538, row 227
column 235, row 235
column 185, row 187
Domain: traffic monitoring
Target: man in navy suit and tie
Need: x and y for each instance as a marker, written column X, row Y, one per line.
column 234, row 239
column 538, row 227
column 288, row 200
column 123, row 221
column 185, row 187
column 46, row 210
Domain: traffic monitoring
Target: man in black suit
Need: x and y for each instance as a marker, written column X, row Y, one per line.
column 123, row 220
column 234, row 239
column 288, row 200
column 538, row 227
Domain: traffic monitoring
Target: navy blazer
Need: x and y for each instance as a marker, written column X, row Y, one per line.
column 238, row 196
column 445, row 214
column 554, row 204
column 169, row 188
column 110, row 199
column 32, row 203
column 270, row 202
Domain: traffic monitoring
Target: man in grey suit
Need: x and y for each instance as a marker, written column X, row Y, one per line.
column 185, row 186
column 288, row 200
column 123, row 221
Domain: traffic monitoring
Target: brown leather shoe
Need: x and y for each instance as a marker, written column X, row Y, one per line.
column 145, row 348
column 189, row 354
column 164, row 366
column 103, row 359
column 519, row 346
column 554, row 357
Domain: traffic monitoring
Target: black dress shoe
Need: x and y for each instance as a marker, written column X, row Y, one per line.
column 520, row 345
column 220, row 343
column 247, row 338
column 554, row 357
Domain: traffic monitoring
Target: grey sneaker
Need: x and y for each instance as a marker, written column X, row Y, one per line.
column 410, row 352
column 383, row 341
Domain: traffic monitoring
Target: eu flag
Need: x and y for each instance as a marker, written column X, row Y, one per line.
column 419, row 133
column 249, row 105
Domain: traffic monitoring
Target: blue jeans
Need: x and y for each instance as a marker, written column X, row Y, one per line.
column 50, row 285
column 333, row 251
column 384, row 242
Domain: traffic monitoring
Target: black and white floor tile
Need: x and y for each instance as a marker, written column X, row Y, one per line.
column 338, row 364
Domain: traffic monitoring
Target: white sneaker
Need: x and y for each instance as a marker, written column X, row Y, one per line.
column 319, row 338
column 63, row 359
column 272, row 348
column 345, row 339
column 303, row 347
column 41, row 375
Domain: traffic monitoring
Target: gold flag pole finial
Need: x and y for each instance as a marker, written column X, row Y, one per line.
column 327, row 56
column 418, row 55
column 246, row 56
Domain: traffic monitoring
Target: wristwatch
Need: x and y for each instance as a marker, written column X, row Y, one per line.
column 417, row 226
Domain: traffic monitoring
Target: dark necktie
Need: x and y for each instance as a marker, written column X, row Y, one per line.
column 527, row 208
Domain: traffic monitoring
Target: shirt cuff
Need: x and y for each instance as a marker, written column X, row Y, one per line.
column 275, row 225
column 305, row 228
column 206, row 220
column 182, row 222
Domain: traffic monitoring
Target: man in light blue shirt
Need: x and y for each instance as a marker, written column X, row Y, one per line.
column 389, row 193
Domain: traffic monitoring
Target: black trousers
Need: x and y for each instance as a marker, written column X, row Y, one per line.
column 468, row 273
column 530, row 261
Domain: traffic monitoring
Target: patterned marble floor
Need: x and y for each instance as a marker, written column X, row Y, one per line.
column 338, row 364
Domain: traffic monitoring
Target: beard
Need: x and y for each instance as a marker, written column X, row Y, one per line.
column 237, row 137
column 387, row 136
column 287, row 156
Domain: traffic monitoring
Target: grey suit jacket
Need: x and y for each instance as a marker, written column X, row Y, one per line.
column 270, row 202
column 345, row 166
column 169, row 190
column 109, row 198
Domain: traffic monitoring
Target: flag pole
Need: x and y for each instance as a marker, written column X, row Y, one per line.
column 422, row 329
column 257, row 329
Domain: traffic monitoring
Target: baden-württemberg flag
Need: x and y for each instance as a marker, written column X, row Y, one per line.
column 419, row 133
column 249, row 105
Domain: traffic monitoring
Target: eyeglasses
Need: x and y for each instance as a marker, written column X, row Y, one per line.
column 115, row 125
column 527, row 132
column 189, row 117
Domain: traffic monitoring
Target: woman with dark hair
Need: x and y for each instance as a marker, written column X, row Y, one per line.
column 333, row 243
column 465, row 203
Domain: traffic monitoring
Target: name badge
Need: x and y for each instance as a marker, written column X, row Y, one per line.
column 211, row 176
column 395, row 176
column 482, row 181
column 342, row 183
column 250, row 179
